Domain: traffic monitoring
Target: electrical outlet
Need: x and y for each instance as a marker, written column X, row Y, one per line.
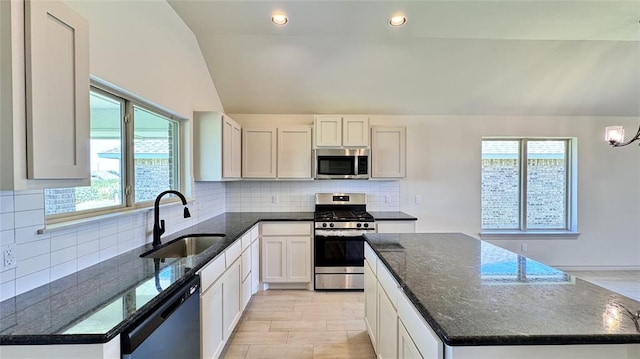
column 387, row 199
column 418, row 199
column 9, row 256
column 274, row 199
column 524, row 247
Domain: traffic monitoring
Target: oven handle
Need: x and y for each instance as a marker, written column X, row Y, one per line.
column 341, row 233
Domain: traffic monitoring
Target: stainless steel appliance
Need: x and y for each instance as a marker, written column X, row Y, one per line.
column 341, row 220
column 172, row 330
column 341, row 163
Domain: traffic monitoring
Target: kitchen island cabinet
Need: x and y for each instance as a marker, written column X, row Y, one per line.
column 455, row 302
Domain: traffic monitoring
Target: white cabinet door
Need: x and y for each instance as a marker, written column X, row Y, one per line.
column 406, row 348
column 216, row 144
column 294, row 152
column 387, row 331
column 57, row 91
column 259, row 152
column 211, row 324
column 274, row 259
column 231, row 298
column 355, row 131
column 370, row 303
column 388, row 152
column 246, row 263
column 328, row 131
column 231, row 149
column 246, row 293
column 299, row 259
column 255, row 266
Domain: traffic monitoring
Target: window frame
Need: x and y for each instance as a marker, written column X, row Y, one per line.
column 570, row 199
column 129, row 101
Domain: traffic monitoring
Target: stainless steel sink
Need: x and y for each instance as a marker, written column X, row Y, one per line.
column 184, row 247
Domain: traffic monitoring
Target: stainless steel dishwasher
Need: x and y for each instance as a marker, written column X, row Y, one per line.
column 172, row 330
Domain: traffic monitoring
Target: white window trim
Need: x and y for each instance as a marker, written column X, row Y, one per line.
column 571, row 232
column 64, row 220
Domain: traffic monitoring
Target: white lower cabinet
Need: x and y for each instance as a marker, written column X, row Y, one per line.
column 286, row 252
column 406, row 348
column 226, row 289
column 212, row 339
column 387, row 340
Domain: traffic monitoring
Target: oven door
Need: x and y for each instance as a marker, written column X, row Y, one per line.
column 338, row 251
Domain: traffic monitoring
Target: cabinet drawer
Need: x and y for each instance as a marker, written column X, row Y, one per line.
column 246, row 240
column 255, row 233
column 286, row 229
column 371, row 257
column 388, row 283
column 233, row 252
column 211, row 272
column 420, row 332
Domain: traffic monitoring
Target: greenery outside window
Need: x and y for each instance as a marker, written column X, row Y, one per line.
column 528, row 185
column 135, row 152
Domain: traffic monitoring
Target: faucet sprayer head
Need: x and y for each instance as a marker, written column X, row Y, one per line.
column 187, row 214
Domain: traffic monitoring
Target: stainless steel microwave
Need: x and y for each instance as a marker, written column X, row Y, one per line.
column 341, row 163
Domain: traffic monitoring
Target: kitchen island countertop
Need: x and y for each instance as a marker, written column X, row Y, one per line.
column 474, row 293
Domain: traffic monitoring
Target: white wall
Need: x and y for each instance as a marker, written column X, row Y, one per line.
column 144, row 48
column 443, row 167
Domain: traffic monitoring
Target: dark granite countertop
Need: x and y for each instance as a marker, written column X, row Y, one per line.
column 474, row 293
column 392, row 216
column 97, row 303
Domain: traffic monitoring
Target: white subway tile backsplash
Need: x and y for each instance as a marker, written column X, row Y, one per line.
column 64, row 269
column 7, row 237
column 88, row 233
column 6, row 204
column 35, row 264
column 88, row 260
column 6, row 221
column 30, row 234
column 125, row 236
column 125, row 223
column 8, row 275
column 29, row 218
column 108, row 241
column 26, row 202
column 88, row 247
column 108, row 228
column 7, row 290
column 108, row 253
column 63, row 241
column 64, row 255
column 33, row 280
column 28, row 250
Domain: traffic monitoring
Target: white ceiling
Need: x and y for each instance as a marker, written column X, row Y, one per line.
column 452, row 57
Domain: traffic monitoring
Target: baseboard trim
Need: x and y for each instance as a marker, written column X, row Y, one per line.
column 595, row 268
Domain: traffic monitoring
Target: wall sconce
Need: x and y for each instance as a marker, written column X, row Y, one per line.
column 615, row 136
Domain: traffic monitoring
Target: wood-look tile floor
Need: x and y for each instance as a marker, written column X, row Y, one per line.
column 302, row 324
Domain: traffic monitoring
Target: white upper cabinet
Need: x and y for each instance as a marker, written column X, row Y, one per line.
column 294, row 152
column 217, row 147
column 259, row 152
column 282, row 152
column 388, row 152
column 57, row 91
column 341, row 131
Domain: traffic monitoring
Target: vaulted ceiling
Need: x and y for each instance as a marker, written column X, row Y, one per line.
column 479, row 57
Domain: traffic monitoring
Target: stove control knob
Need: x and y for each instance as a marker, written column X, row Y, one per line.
column 331, row 225
column 366, row 225
column 324, row 225
column 359, row 225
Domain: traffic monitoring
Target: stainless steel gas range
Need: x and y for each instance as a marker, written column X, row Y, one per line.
column 341, row 220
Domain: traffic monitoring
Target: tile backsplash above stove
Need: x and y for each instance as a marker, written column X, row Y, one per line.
column 294, row 196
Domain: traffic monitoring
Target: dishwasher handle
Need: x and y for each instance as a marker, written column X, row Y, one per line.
column 137, row 333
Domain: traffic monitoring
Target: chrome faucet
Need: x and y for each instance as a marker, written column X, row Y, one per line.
column 158, row 225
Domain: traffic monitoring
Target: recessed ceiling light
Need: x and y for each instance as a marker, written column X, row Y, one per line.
column 279, row 19
column 397, row 20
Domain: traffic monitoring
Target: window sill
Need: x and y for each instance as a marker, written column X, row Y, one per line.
column 89, row 218
column 502, row 235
